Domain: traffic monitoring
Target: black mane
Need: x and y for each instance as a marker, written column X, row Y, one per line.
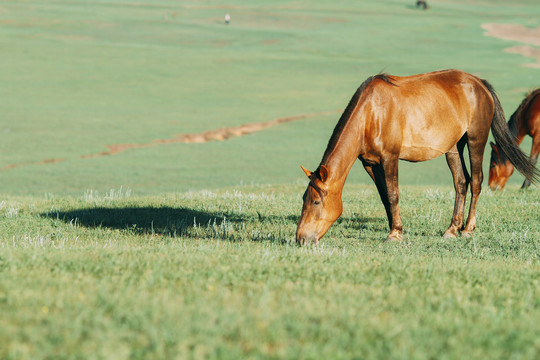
column 348, row 112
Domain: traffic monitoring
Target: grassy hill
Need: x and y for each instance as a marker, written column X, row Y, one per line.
column 119, row 242
column 80, row 76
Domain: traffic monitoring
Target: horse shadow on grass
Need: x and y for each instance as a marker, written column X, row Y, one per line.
column 192, row 223
column 143, row 220
column 176, row 222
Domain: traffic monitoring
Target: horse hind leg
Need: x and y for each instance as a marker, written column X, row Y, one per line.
column 456, row 163
column 476, row 155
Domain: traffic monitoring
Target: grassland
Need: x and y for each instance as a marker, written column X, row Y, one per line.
column 216, row 275
column 79, row 76
column 191, row 254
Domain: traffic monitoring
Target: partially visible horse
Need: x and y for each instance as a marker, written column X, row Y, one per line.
column 524, row 121
column 422, row 4
column 413, row 118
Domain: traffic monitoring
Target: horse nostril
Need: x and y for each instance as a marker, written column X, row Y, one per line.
column 305, row 240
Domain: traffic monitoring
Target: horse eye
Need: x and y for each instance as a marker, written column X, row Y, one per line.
column 317, row 202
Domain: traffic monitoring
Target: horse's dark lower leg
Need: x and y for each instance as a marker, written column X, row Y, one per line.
column 534, row 157
column 454, row 158
column 376, row 172
column 385, row 178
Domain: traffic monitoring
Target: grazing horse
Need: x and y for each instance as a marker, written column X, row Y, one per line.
column 413, row 118
column 524, row 121
column 422, row 4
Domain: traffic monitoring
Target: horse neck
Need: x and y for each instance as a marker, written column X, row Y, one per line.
column 520, row 117
column 515, row 124
column 342, row 152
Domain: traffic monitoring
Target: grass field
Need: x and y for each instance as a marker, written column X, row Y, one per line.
column 79, row 76
column 216, row 275
column 185, row 250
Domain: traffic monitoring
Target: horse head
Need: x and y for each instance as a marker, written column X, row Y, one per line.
column 322, row 206
column 500, row 168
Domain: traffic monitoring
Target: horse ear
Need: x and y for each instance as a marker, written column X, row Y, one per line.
column 493, row 147
column 323, row 172
column 308, row 173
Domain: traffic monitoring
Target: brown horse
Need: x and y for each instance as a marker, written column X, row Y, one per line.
column 524, row 121
column 413, row 118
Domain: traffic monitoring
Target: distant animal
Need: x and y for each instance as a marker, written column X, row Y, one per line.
column 413, row 118
column 422, row 4
column 524, row 121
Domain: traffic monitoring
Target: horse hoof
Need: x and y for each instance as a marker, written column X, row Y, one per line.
column 466, row 234
column 449, row 234
column 394, row 237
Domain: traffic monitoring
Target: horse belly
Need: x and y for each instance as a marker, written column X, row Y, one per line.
column 416, row 153
column 425, row 139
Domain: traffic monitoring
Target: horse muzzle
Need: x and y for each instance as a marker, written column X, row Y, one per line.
column 304, row 239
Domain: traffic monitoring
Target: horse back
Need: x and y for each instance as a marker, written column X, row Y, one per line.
column 424, row 116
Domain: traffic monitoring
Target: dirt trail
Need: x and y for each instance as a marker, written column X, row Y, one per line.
column 220, row 134
column 41, row 162
column 529, row 36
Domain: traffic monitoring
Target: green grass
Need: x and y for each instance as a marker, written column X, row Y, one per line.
column 191, row 256
column 216, row 275
column 79, row 76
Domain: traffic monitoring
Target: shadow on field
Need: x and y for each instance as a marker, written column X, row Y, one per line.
column 144, row 220
column 360, row 225
column 192, row 223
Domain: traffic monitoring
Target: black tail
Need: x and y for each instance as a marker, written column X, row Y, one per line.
column 507, row 143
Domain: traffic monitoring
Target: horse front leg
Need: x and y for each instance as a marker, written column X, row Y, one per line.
column 534, row 157
column 389, row 196
column 390, row 167
column 376, row 172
